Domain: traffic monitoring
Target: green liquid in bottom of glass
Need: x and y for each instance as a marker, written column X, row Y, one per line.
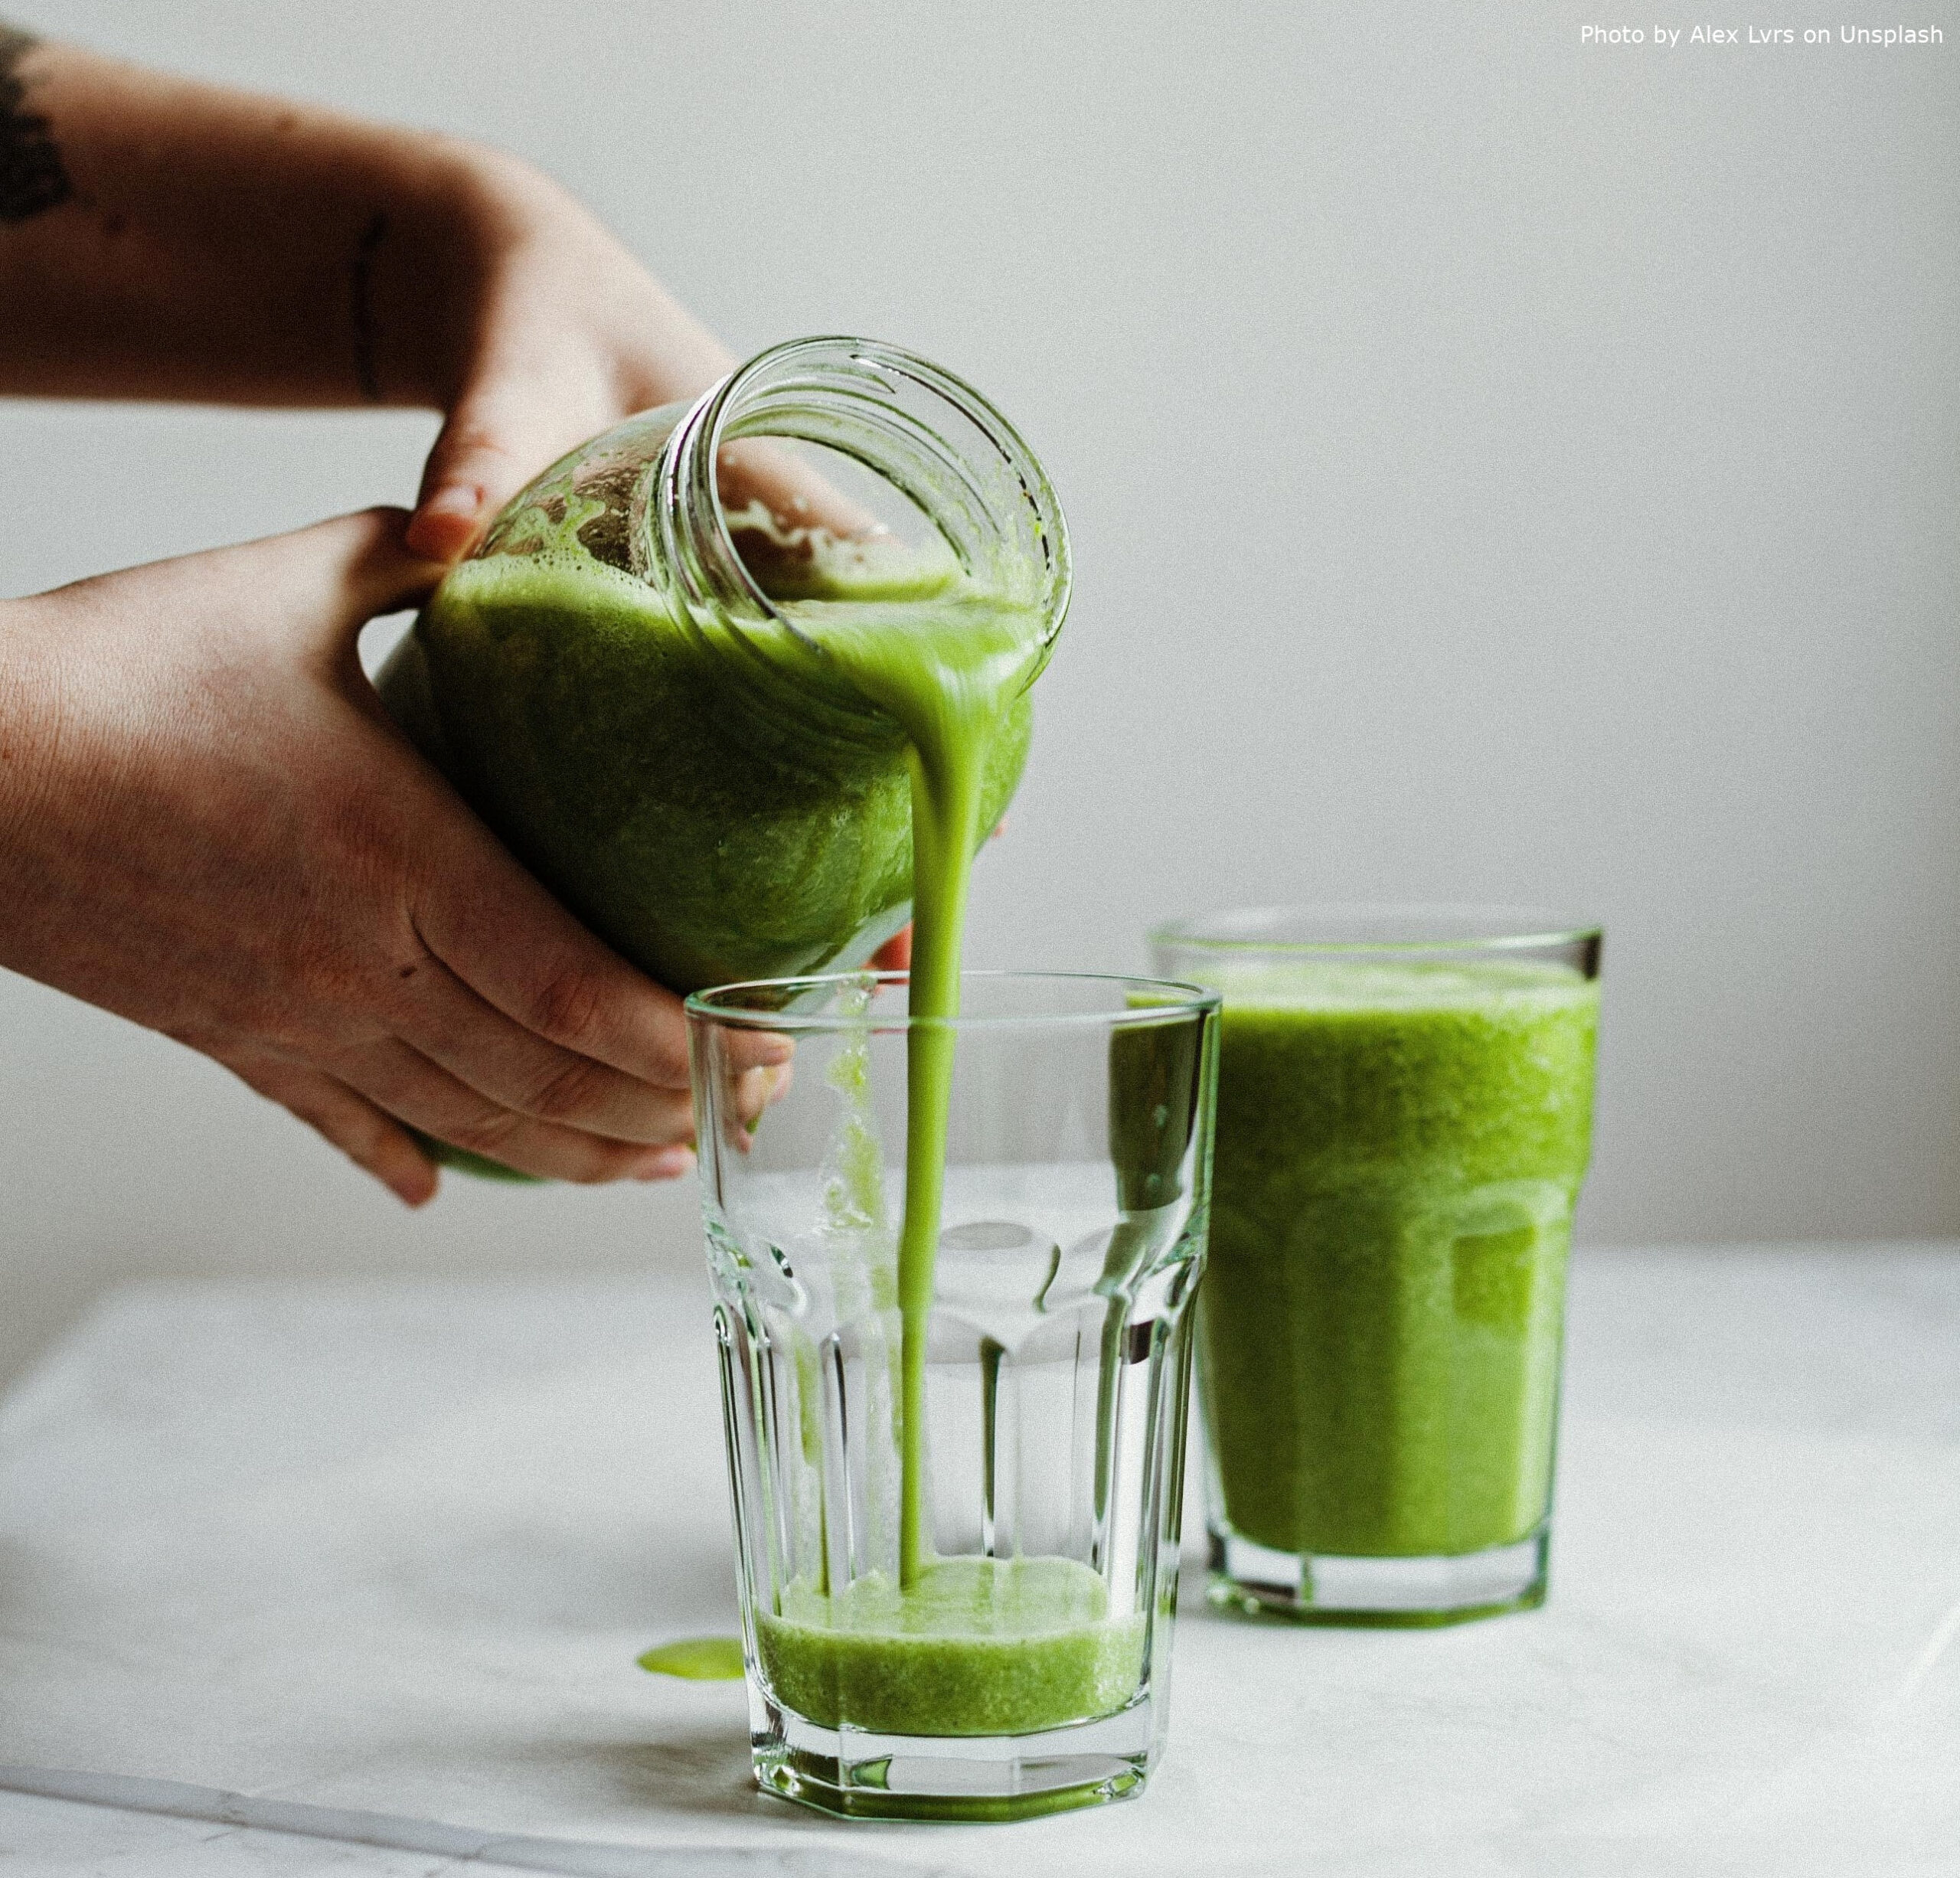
column 973, row 1647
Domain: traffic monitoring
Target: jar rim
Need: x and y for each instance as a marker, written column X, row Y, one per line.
column 849, row 393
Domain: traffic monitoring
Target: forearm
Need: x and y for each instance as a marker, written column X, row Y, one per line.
column 164, row 238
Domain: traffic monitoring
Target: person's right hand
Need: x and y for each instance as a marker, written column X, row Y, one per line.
column 208, row 824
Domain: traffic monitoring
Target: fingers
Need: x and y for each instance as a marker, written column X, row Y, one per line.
column 496, row 928
column 380, row 573
column 895, row 955
column 321, row 584
column 495, row 440
column 461, row 484
column 406, row 1084
column 368, row 1136
column 325, row 581
column 340, row 572
column 792, row 492
column 498, row 437
column 758, row 1089
column 519, row 1070
column 572, row 335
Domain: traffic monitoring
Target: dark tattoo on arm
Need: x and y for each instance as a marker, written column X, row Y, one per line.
column 361, row 285
column 32, row 179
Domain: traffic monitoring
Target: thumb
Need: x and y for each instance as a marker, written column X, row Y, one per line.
column 494, row 442
column 332, row 578
column 365, row 565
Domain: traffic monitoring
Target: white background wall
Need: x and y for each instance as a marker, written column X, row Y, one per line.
column 1500, row 468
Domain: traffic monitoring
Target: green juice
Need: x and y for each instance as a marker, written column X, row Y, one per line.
column 948, row 671
column 1399, row 1151
column 974, row 1647
column 704, row 808
column 966, row 1646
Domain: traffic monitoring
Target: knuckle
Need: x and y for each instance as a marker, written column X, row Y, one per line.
column 669, row 1064
column 605, row 1162
column 294, row 1022
column 483, row 439
column 483, row 1131
column 567, row 1091
column 567, row 1006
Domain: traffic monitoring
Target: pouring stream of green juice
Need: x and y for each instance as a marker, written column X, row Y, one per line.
column 950, row 673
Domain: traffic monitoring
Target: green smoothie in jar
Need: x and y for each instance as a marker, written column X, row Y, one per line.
column 692, row 723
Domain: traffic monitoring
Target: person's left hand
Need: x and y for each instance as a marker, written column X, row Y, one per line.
column 554, row 332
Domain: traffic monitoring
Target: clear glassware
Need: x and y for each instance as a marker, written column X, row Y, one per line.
column 1404, row 1120
column 1021, row 1666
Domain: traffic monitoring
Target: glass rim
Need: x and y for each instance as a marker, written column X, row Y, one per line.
column 1494, row 927
column 1184, row 1000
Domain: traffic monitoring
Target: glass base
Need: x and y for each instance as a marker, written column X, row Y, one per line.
column 1312, row 1588
column 855, row 1774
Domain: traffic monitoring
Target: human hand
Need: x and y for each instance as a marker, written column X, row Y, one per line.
column 208, row 825
column 553, row 333
column 278, row 254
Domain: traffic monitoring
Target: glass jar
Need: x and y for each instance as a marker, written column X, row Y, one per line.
column 628, row 678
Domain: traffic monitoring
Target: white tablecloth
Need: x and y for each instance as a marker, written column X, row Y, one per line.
column 300, row 1576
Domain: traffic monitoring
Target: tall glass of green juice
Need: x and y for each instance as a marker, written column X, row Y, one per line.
column 956, row 1405
column 1405, row 1113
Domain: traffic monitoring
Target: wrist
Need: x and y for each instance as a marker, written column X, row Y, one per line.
column 499, row 199
column 27, row 704
column 468, row 211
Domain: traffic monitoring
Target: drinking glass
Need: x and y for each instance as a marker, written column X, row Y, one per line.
column 1404, row 1118
column 957, row 1494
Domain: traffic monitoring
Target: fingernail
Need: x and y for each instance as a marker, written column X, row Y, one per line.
column 770, row 1049
column 668, row 1164
column 759, row 1088
column 416, row 1193
column 459, row 498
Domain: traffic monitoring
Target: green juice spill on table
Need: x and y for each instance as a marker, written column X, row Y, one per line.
column 1399, row 1150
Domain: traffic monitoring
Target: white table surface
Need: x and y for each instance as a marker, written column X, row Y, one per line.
column 295, row 1578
